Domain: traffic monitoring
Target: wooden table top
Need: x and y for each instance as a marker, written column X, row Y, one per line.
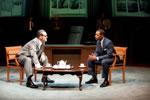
column 74, row 69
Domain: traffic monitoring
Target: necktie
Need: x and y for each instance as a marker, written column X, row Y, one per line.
column 100, row 49
column 40, row 51
column 30, row 26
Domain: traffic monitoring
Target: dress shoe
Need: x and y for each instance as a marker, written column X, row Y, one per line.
column 104, row 84
column 92, row 80
column 31, row 84
column 48, row 80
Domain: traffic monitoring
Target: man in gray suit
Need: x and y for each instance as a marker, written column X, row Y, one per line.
column 31, row 54
column 102, row 56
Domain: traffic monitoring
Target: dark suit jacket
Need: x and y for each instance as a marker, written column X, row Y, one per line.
column 108, row 49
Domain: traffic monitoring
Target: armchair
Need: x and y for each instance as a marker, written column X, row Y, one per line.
column 11, row 60
column 121, row 52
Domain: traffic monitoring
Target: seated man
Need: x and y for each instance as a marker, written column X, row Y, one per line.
column 102, row 56
column 32, row 53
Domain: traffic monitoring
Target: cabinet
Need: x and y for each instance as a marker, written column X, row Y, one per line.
column 74, row 54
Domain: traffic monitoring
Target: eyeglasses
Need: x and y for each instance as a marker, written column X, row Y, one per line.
column 45, row 36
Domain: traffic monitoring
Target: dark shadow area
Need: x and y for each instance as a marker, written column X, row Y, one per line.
column 132, row 32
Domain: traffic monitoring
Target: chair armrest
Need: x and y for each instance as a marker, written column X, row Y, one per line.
column 114, row 54
column 17, row 61
column 115, row 59
column 14, row 54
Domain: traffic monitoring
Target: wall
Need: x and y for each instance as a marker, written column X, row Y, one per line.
column 127, row 31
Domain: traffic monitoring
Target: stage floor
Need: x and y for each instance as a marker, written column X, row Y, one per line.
column 137, row 86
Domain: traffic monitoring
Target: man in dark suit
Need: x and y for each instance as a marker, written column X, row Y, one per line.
column 102, row 56
column 32, row 53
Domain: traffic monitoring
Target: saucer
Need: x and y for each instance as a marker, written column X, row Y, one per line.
column 82, row 66
column 62, row 67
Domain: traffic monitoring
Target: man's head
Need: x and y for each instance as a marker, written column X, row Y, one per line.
column 56, row 17
column 42, row 35
column 106, row 24
column 99, row 35
column 30, row 18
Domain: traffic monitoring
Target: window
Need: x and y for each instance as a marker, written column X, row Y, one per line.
column 12, row 8
column 68, row 8
column 138, row 8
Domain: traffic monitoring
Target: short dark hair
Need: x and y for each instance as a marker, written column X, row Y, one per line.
column 39, row 32
column 101, row 31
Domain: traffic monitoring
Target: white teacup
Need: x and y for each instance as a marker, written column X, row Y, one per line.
column 67, row 66
column 48, row 65
column 82, row 65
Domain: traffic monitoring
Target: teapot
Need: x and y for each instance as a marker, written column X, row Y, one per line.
column 61, row 63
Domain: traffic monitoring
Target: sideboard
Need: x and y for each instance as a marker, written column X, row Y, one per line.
column 73, row 54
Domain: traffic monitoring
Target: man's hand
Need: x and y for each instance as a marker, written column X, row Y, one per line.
column 42, row 58
column 38, row 66
column 92, row 57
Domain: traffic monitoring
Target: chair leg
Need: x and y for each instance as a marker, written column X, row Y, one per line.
column 110, row 76
column 7, row 74
column 123, row 75
column 20, row 71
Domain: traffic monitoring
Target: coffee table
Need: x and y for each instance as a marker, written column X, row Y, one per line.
column 73, row 71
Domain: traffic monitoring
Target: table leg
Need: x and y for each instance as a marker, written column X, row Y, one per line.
column 44, row 82
column 80, row 80
column 35, row 73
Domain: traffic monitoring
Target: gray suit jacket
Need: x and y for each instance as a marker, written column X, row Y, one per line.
column 31, row 49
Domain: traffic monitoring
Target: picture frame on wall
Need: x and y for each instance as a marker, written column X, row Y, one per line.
column 11, row 8
column 68, row 8
column 131, row 8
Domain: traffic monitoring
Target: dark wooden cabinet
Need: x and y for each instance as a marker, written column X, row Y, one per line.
column 74, row 54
